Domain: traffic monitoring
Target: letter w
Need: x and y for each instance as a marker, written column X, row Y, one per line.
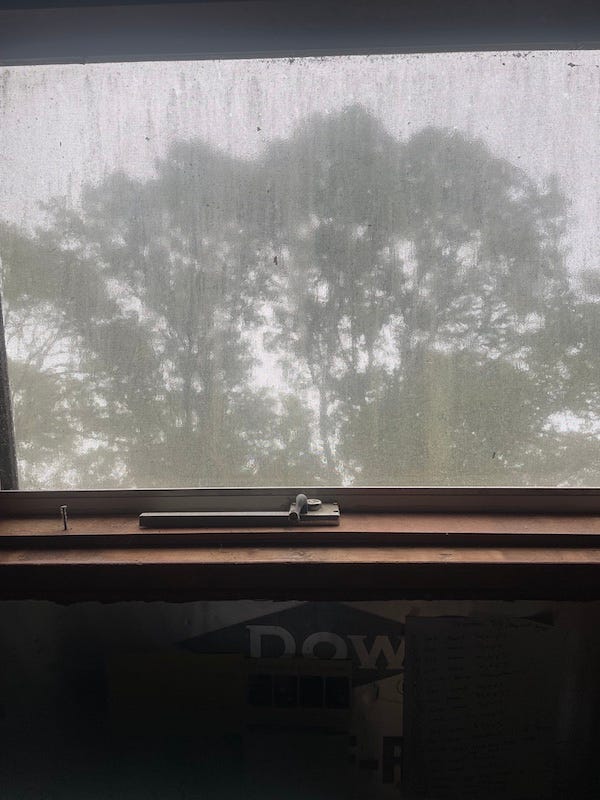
column 381, row 645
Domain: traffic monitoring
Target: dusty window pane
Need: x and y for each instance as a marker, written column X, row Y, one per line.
column 352, row 270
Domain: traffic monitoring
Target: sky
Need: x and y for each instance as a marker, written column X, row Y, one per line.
column 62, row 126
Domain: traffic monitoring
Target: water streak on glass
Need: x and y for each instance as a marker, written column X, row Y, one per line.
column 347, row 270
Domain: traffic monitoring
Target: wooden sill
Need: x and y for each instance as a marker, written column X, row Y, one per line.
column 369, row 556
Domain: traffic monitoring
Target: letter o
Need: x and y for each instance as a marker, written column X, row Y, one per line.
column 340, row 647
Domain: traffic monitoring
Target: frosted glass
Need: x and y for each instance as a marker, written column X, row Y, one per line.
column 360, row 270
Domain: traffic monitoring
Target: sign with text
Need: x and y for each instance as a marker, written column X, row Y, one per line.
column 374, row 644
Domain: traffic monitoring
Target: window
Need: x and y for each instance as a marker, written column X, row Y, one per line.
column 341, row 270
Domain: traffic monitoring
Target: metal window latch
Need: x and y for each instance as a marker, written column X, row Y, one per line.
column 303, row 511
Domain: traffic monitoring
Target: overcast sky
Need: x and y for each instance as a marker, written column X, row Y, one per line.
column 64, row 125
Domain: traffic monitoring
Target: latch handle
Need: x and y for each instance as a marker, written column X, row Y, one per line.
column 299, row 507
column 303, row 511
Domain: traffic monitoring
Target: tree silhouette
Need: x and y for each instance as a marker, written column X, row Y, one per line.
column 420, row 274
column 345, row 308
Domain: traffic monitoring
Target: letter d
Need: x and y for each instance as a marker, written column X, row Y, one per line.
column 256, row 636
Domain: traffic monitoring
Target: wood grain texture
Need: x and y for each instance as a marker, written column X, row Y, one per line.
column 252, row 568
column 354, row 530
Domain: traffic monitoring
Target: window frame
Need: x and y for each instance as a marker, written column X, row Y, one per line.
column 130, row 30
column 352, row 499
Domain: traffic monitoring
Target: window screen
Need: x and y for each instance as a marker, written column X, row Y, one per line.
column 351, row 270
